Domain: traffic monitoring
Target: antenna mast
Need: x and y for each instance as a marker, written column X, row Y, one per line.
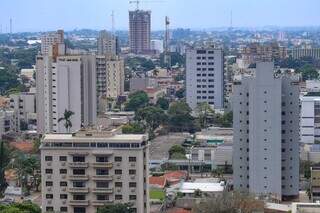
column 167, row 57
column 112, row 19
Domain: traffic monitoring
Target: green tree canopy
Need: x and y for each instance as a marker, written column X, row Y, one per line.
column 163, row 103
column 133, row 128
column 179, row 117
column 137, row 100
column 5, row 154
column 308, row 72
column 177, row 152
column 151, row 116
column 25, row 207
column 116, row 208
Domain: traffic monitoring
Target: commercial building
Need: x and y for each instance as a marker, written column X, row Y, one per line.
column 266, row 133
column 65, row 82
column 315, row 184
column 298, row 53
column 139, row 31
column 107, row 43
column 137, row 84
column 310, row 117
column 8, row 122
column 88, row 169
column 205, row 77
column 157, row 45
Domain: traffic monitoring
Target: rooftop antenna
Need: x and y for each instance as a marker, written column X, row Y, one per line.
column 112, row 19
column 10, row 25
column 231, row 20
column 167, row 57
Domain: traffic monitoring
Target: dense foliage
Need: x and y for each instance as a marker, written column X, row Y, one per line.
column 137, row 100
column 133, row 128
column 25, row 207
column 116, row 208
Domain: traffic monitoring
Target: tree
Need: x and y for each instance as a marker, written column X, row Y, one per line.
column 229, row 202
column 137, row 100
column 25, row 207
column 116, row 208
column 176, row 152
column 224, row 120
column 308, row 72
column 179, row 117
column 152, row 117
column 36, row 146
column 67, row 119
column 163, row 103
column 4, row 161
column 133, row 128
column 203, row 111
column 181, row 93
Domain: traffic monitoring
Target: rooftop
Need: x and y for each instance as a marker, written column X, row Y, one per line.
column 188, row 187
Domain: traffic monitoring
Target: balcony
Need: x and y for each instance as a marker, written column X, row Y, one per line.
column 101, row 202
column 78, row 177
column 79, row 165
column 102, row 190
column 79, row 202
column 102, row 165
column 78, row 190
column 102, row 177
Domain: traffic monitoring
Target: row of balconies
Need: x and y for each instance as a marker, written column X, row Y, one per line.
column 86, row 202
column 86, row 164
column 86, row 190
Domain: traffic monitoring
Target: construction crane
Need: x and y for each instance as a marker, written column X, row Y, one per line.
column 167, row 56
column 137, row 2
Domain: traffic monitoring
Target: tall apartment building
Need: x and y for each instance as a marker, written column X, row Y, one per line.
column 88, row 169
column 50, row 39
column 9, row 122
column 139, row 31
column 310, row 117
column 298, row 53
column 266, row 133
column 24, row 104
column 205, row 77
column 107, row 44
column 65, row 82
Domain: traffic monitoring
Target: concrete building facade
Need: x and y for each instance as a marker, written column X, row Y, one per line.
column 88, row 169
column 107, row 43
column 139, row 31
column 266, row 133
column 49, row 39
column 205, row 77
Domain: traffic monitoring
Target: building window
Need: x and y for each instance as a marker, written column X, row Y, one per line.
column 117, row 159
column 118, row 197
column 118, row 171
column 132, row 172
column 101, row 159
column 49, row 196
column 79, row 171
column 132, row 184
column 48, row 158
column 48, row 171
column 102, row 197
column 63, row 158
column 49, row 183
column 63, row 209
column 102, row 172
column 102, row 184
column 132, row 159
column 79, row 158
column 49, row 209
column 79, row 184
column 63, row 196
column 132, row 197
column 118, row 184
column 79, row 197
column 63, row 171
column 63, row 183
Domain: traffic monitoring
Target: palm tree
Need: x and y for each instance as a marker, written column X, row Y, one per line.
column 67, row 118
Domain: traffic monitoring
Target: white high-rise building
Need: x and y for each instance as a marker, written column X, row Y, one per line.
column 65, row 82
column 266, row 133
column 89, row 169
column 205, row 78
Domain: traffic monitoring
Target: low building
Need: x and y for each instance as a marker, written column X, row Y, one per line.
column 305, row 207
column 315, row 184
column 310, row 152
column 210, row 189
column 154, row 94
column 137, row 84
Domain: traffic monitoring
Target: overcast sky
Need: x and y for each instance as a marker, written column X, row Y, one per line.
column 43, row 15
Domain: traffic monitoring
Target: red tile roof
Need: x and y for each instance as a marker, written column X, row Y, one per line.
column 157, row 181
column 23, row 146
column 179, row 210
column 175, row 176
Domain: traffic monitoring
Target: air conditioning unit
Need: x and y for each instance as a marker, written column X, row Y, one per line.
column 63, row 164
column 49, row 164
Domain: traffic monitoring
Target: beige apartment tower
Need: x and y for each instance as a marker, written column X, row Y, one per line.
column 88, row 169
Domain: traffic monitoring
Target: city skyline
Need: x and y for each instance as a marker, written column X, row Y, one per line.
column 210, row 14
